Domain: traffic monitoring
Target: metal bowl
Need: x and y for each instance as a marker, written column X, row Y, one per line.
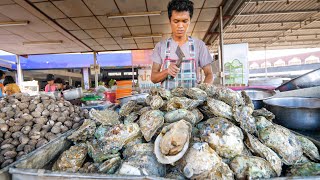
column 310, row 79
column 257, row 96
column 140, row 98
column 296, row 112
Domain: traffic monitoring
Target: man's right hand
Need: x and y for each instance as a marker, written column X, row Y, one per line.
column 173, row 70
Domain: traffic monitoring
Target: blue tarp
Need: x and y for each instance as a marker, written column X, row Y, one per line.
column 64, row 61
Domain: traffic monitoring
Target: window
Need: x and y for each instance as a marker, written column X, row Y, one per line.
column 294, row 61
column 279, row 63
column 311, row 60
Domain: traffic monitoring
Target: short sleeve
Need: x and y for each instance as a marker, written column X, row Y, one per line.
column 156, row 55
column 205, row 57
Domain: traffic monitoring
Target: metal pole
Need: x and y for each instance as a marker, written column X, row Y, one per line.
column 265, row 60
column 133, row 84
column 95, row 71
column 19, row 71
column 221, row 68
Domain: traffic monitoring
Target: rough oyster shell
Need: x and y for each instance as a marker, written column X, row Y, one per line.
column 246, row 120
column 150, row 122
column 219, row 108
column 179, row 114
column 105, row 117
column 144, row 109
column 127, row 108
column 178, row 92
column 131, row 118
column 307, row 169
column 263, row 112
column 164, row 93
column 196, row 93
column 72, row 159
column 138, row 149
column 182, row 103
column 223, row 136
column 262, row 122
column 173, row 142
column 198, row 114
column 156, row 102
column 309, row 148
column 251, row 167
column 283, row 142
column 263, row 151
column 221, row 172
column 85, row 131
column 96, row 152
column 110, row 166
column 115, row 137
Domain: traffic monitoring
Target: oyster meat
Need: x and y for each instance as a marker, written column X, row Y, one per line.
column 173, row 142
column 150, row 122
column 115, row 137
column 196, row 93
column 105, row 117
column 96, row 152
column 179, row 114
column 72, row 159
column 156, row 102
column 307, row 169
column 309, row 148
column 283, row 142
column 263, row 151
column 127, row 108
column 265, row 113
column 251, row 167
column 182, row 103
column 85, row 131
column 223, row 136
column 219, row 108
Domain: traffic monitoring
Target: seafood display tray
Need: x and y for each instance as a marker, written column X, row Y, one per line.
column 36, row 166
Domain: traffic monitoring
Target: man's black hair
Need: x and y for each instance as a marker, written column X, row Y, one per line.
column 8, row 80
column 59, row 81
column 2, row 73
column 180, row 6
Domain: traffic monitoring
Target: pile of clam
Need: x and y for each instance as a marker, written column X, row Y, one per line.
column 207, row 132
column 29, row 122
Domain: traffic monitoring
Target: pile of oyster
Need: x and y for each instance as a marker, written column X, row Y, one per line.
column 207, row 132
column 29, row 122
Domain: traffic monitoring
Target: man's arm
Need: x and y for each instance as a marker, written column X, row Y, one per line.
column 208, row 74
column 159, row 76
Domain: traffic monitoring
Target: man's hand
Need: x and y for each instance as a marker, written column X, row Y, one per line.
column 173, row 70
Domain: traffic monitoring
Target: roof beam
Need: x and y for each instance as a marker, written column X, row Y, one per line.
column 261, row 37
column 267, row 23
column 274, row 13
column 269, row 30
column 274, row 1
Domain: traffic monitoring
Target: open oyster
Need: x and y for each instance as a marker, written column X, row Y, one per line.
column 307, row 169
column 178, row 92
column 115, row 137
column 150, row 122
column 283, row 142
column 85, row 131
column 219, row 108
column 263, row 151
column 173, row 142
column 251, row 167
column 179, row 114
column 72, row 159
column 96, row 152
column 223, row 136
column 309, row 148
column 127, row 108
column 110, row 166
column 182, row 103
column 105, row 117
column 156, row 102
column 196, row 93
column 265, row 113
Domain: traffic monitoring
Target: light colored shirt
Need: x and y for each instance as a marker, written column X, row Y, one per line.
column 202, row 54
column 49, row 88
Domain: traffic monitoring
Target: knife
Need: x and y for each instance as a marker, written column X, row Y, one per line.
column 180, row 55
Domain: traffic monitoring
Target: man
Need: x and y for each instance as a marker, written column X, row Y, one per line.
column 2, row 76
column 50, row 87
column 196, row 53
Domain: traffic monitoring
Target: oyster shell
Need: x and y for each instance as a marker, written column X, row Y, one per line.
column 179, row 114
column 221, row 172
column 85, row 131
column 105, row 117
column 182, row 103
column 223, row 136
column 307, row 169
column 96, row 152
column 127, row 108
column 178, row 92
column 251, row 167
column 156, row 102
column 198, row 114
column 263, row 151
column 199, row 161
column 265, row 113
column 138, row 149
column 110, row 166
column 196, row 93
column 173, row 142
column 131, row 118
column 262, row 122
column 246, row 120
column 309, row 148
column 72, row 159
column 283, row 142
column 144, row 109
column 247, row 101
column 150, row 122
column 303, row 160
column 164, row 93
column 219, row 108
column 115, row 137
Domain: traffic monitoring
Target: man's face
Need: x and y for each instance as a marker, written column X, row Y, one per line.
column 51, row 82
column 180, row 22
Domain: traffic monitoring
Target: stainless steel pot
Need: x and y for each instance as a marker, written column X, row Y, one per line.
column 257, row 95
column 140, row 98
column 71, row 94
column 310, row 79
column 296, row 113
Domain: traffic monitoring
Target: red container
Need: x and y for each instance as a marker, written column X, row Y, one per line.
column 110, row 96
